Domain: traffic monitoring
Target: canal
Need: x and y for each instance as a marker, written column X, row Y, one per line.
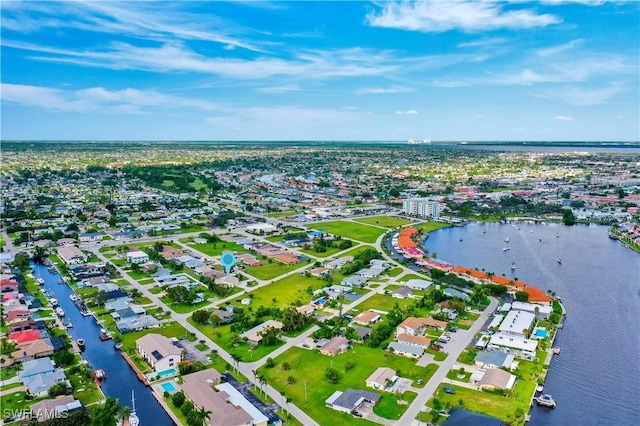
column 121, row 379
column 595, row 378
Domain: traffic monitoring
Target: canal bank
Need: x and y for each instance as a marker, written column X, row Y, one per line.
column 594, row 379
column 121, row 378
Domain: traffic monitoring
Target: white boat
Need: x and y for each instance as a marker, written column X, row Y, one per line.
column 557, row 235
column 506, row 249
column 73, row 297
column 419, row 142
column 513, row 265
column 506, row 240
column 133, row 417
column 80, row 343
column 39, row 280
column 59, row 312
column 559, row 260
column 546, row 400
column 69, row 324
column 53, row 302
column 531, row 231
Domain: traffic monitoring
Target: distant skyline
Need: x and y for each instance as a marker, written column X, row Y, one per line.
column 547, row 70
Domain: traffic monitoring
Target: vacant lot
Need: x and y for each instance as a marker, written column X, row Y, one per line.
column 286, row 291
column 354, row 231
column 309, row 366
column 214, row 249
column 268, row 271
column 386, row 221
column 381, row 302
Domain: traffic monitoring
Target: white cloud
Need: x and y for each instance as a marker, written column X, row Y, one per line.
column 483, row 42
column 96, row 99
column 466, row 16
column 574, row 95
column 408, row 112
column 563, row 118
column 383, row 90
column 555, row 50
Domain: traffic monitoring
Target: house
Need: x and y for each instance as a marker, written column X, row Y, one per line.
column 287, row 258
column 354, row 281
column 137, row 323
column 416, row 284
column 453, row 293
column 17, row 316
column 34, row 367
column 33, row 349
column 538, row 296
column 541, row 312
column 139, row 257
column 248, row 260
column 494, row 359
column 493, row 378
column 367, row 318
column 90, row 236
column 319, row 272
column 225, row 317
column 461, row 417
column 416, row 326
column 228, row 281
column 522, row 348
column 402, row 293
column 230, row 407
column 349, row 400
column 39, row 385
column 362, row 332
column 261, row 228
column 306, row 309
column 55, row 408
column 71, row 255
column 382, row 378
column 314, row 235
column 8, row 286
column 419, row 341
column 335, row 346
column 369, row 272
column 254, row 337
column 25, row 336
column 518, row 324
column 339, row 263
column 406, row 350
column 159, row 352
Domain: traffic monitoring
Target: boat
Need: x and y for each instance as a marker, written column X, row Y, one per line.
column 419, row 142
column 506, row 240
column 513, row 265
column 133, row 417
column 39, row 280
column 484, row 231
column 118, row 345
column 557, row 235
column 556, row 350
column 53, row 302
column 61, row 281
column 460, row 239
column 59, row 312
column 539, row 388
column 73, row 297
column 68, row 324
column 546, row 401
column 506, row 249
column 559, row 260
column 104, row 334
column 531, row 231
column 99, row 375
column 85, row 313
column 80, row 343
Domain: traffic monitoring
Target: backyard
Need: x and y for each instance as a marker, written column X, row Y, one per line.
column 352, row 230
column 308, row 367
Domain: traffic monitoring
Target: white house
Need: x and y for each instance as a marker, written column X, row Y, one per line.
column 71, row 255
column 261, row 228
column 138, row 257
column 517, row 324
column 523, row 348
column 159, row 352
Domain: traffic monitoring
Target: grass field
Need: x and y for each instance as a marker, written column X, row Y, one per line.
column 272, row 270
column 394, row 272
column 214, row 249
column 286, row 291
column 330, row 252
column 430, row 226
column 384, row 221
column 309, row 366
column 354, row 231
column 380, row 302
column 486, row 403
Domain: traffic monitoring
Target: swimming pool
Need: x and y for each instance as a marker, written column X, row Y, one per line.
column 168, row 387
column 540, row 333
column 169, row 372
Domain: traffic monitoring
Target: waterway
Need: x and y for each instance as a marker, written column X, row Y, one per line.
column 121, row 379
column 595, row 378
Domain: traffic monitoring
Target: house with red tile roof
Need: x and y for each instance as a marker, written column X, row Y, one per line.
column 538, row 296
column 25, row 336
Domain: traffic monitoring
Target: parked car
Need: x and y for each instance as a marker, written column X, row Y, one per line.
column 357, row 414
column 453, row 329
column 449, row 389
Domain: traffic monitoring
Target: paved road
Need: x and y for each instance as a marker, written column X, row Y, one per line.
column 453, row 348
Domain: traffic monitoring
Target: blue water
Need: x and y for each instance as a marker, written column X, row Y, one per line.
column 167, row 372
column 541, row 333
column 595, row 379
column 168, row 387
column 121, row 378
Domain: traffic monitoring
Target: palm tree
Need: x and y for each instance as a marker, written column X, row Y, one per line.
column 204, row 414
column 236, row 359
column 124, row 412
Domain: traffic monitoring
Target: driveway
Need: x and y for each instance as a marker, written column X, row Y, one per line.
column 269, row 410
column 193, row 353
column 366, row 409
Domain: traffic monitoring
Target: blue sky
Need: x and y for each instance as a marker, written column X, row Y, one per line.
column 483, row 70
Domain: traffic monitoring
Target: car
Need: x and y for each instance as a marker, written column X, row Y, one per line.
column 449, row 390
column 453, row 329
column 357, row 414
column 305, row 345
column 439, row 346
column 419, row 381
column 208, row 360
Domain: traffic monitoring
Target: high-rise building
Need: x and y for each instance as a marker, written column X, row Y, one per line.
column 422, row 207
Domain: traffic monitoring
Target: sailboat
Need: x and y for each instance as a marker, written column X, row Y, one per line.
column 559, row 260
column 133, row 417
column 513, row 265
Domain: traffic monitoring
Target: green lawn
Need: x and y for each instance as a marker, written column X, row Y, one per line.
column 10, row 386
column 172, row 329
column 384, row 221
column 181, row 308
column 330, row 252
column 389, row 408
column 14, row 401
column 282, row 213
column 269, row 271
column 486, row 403
column 394, row 272
column 381, row 302
column 309, row 366
column 414, row 277
column 223, row 336
column 215, row 249
column 351, row 230
column 430, row 226
column 286, row 291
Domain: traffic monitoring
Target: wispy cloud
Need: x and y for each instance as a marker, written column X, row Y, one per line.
column 574, row 95
column 483, row 42
column 97, row 99
column 563, row 118
column 408, row 112
column 555, row 50
column 462, row 15
column 383, row 90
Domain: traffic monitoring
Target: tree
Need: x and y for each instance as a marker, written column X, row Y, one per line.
column 568, row 218
column 178, row 399
column 332, row 375
column 101, row 297
column 124, row 412
column 39, row 254
column 62, row 358
column 106, row 415
column 291, row 380
column 59, row 389
column 522, row 296
column 270, row 336
column 269, row 363
column 237, row 358
column 201, row 316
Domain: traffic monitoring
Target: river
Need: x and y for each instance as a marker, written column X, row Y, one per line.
column 595, row 380
column 121, row 379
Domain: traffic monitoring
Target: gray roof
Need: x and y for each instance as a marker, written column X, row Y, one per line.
column 354, row 281
column 498, row 358
column 404, row 347
column 352, row 398
column 42, row 382
column 136, row 323
column 36, row 366
column 455, row 293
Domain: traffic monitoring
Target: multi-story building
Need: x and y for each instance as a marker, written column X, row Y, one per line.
column 422, row 207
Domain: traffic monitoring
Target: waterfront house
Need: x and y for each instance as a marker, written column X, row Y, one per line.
column 56, row 408
column 494, row 359
column 522, row 348
column 541, row 312
column 159, row 352
column 381, row 379
column 517, row 324
column 493, row 378
column 71, row 255
column 335, row 346
column 349, row 400
column 450, row 292
column 40, row 384
column 538, row 296
column 33, row 349
column 459, row 416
